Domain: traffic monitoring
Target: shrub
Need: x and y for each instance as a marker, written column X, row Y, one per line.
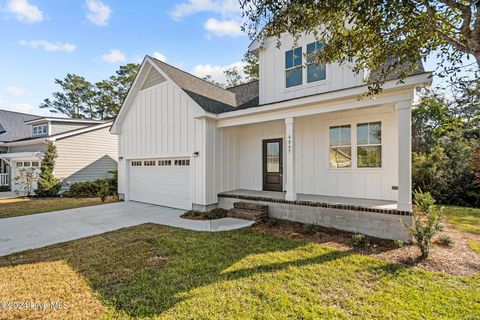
column 360, row 241
column 87, row 189
column 445, row 240
column 273, row 222
column 48, row 185
column 309, row 228
column 104, row 191
column 400, row 244
column 211, row 215
column 426, row 222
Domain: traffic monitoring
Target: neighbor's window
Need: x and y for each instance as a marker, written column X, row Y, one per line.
column 19, row 164
column 369, row 145
column 340, row 147
column 26, row 164
column 315, row 71
column 293, row 67
column 40, row 129
column 35, row 164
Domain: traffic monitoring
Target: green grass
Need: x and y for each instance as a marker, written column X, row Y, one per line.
column 25, row 206
column 474, row 245
column 463, row 218
column 153, row 271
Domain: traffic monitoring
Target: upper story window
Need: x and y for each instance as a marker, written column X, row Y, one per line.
column 340, row 147
column 315, row 71
column 40, row 130
column 293, row 67
column 369, row 145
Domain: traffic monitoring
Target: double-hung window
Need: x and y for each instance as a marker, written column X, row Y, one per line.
column 315, row 71
column 293, row 67
column 369, row 145
column 39, row 130
column 340, row 153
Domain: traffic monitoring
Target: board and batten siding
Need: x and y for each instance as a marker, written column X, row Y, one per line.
column 272, row 72
column 161, row 123
column 87, row 156
column 239, row 155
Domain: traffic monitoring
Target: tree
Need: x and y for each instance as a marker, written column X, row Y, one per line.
column 210, row 79
column 387, row 37
column 26, row 178
column 75, row 100
column 251, row 68
column 48, row 185
column 233, row 77
column 80, row 99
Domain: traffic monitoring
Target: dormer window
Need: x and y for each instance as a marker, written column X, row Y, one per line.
column 40, row 130
column 315, row 71
column 293, row 67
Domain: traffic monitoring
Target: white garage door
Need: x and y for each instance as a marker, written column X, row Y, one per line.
column 165, row 182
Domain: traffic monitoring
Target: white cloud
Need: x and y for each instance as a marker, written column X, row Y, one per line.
column 17, row 91
column 216, row 72
column 157, row 55
column 223, row 7
column 48, row 46
column 98, row 12
column 114, row 56
column 22, row 107
column 223, row 27
column 24, row 11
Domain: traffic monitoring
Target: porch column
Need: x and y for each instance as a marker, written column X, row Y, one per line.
column 291, row 194
column 404, row 121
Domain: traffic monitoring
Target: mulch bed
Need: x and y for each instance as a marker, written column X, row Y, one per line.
column 458, row 259
column 218, row 213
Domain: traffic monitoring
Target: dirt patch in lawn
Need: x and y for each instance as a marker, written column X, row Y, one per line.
column 457, row 259
column 218, row 213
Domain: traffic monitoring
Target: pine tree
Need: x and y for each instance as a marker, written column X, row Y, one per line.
column 48, row 185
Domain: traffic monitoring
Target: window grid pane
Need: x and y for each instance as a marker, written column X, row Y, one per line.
column 340, row 153
column 369, row 148
column 293, row 67
column 315, row 71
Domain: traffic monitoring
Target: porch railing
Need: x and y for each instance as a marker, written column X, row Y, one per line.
column 4, row 179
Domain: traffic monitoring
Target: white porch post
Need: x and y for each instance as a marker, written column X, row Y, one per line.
column 291, row 194
column 403, row 108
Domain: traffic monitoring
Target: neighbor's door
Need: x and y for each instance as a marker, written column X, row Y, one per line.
column 272, row 165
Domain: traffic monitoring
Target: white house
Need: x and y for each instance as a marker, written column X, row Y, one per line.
column 299, row 140
column 86, row 149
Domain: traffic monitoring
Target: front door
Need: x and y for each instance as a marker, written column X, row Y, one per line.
column 272, row 165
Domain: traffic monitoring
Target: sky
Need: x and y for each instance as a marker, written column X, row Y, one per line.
column 44, row 40
column 41, row 40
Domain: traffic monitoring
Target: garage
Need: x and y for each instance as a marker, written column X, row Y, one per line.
column 164, row 182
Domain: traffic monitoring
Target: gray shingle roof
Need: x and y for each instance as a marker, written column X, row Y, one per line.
column 13, row 125
column 210, row 97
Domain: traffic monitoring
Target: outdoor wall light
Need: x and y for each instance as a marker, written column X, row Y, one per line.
column 196, row 154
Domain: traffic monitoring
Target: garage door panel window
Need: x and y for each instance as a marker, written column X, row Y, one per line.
column 149, row 163
column 136, row 163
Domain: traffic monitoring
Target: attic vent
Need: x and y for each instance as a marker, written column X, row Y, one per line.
column 153, row 78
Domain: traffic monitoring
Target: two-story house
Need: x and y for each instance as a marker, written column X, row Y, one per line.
column 298, row 140
column 86, row 150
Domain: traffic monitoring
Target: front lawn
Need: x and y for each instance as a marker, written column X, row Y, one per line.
column 154, row 271
column 463, row 218
column 24, row 206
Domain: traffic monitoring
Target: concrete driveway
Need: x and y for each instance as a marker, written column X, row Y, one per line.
column 39, row 230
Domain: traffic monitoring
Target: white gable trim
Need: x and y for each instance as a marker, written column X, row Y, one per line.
column 137, row 84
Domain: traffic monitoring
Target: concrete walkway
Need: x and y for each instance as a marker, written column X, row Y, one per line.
column 39, row 230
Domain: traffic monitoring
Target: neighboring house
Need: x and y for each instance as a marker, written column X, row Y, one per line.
column 299, row 140
column 86, row 150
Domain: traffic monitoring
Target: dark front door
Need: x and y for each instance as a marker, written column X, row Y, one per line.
column 272, row 165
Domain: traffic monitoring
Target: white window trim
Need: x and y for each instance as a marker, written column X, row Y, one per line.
column 354, row 145
column 44, row 128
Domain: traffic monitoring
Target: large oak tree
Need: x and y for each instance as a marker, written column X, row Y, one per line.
column 389, row 36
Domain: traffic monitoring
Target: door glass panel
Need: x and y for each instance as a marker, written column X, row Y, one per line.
column 273, row 157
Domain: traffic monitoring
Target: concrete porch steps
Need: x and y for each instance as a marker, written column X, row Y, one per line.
column 248, row 211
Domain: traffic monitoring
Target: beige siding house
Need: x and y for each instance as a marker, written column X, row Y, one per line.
column 86, row 150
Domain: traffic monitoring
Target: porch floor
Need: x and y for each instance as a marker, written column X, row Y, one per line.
column 366, row 203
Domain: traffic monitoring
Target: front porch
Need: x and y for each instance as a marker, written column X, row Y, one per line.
column 376, row 218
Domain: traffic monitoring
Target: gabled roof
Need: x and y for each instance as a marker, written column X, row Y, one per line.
column 210, row 97
column 13, row 126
